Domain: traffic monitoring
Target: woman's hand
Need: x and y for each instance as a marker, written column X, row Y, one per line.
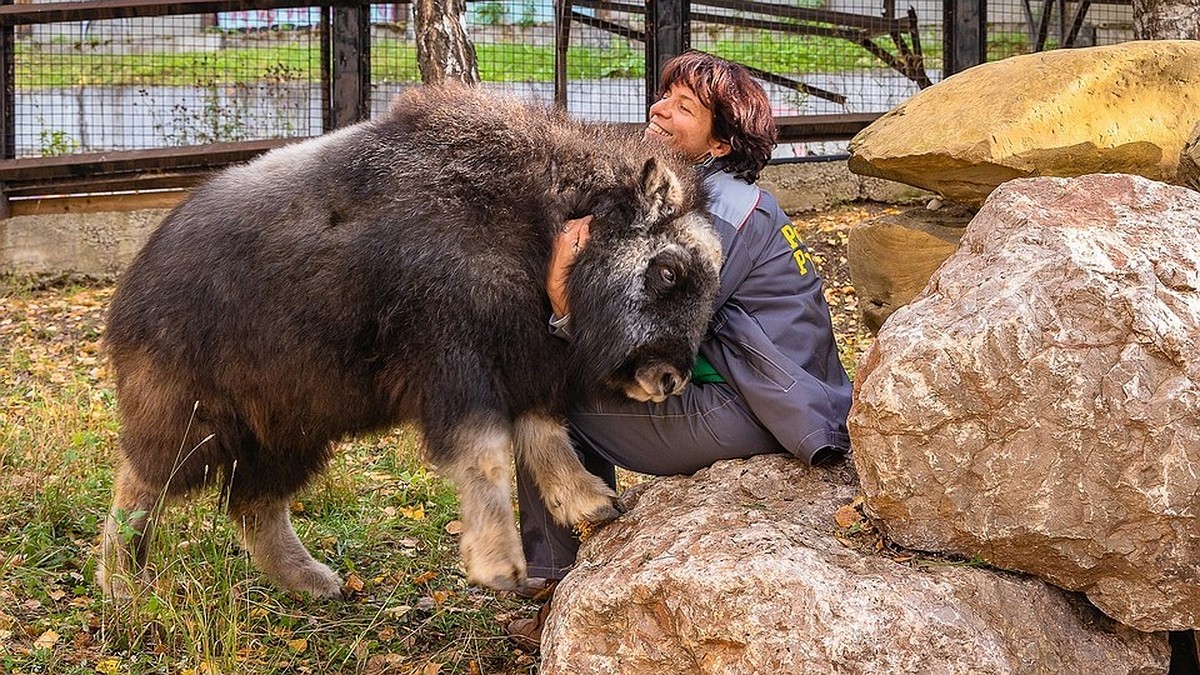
column 567, row 245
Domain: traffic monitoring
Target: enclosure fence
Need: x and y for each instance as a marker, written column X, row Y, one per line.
column 122, row 95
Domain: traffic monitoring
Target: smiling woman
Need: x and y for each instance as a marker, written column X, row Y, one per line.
column 768, row 379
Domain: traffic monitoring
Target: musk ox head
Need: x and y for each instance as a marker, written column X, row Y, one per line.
column 642, row 290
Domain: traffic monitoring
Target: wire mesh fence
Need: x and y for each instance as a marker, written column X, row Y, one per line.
column 150, row 82
column 821, row 57
column 1025, row 26
column 192, row 79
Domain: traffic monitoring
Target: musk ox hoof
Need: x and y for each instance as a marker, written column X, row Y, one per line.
column 315, row 579
column 604, row 515
column 492, row 555
column 586, row 498
column 118, row 587
column 507, row 579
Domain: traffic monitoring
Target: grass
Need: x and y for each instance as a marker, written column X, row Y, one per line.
column 378, row 517
column 395, row 61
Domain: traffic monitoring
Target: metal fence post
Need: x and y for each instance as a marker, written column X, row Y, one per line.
column 8, row 101
column 348, row 88
column 562, row 42
column 667, row 35
column 965, row 34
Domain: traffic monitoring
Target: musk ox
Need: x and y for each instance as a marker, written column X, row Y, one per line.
column 395, row 271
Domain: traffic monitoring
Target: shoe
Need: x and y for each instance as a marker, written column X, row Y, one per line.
column 527, row 633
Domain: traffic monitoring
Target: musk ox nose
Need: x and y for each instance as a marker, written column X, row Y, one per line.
column 655, row 382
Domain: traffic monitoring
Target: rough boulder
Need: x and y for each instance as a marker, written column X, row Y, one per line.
column 738, row 570
column 1189, row 160
column 1125, row 108
column 1039, row 404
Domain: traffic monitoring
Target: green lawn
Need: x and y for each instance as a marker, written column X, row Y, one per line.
column 395, row 61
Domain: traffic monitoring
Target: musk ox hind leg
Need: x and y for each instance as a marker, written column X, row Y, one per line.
column 571, row 493
column 121, row 570
column 264, row 526
column 476, row 455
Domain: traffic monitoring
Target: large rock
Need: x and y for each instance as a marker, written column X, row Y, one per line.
column 737, row 570
column 1189, row 160
column 891, row 256
column 1039, row 404
column 1124, row 108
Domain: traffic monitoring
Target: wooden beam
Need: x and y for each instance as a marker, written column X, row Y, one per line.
column 807, row 128
column 96, row 203
column 88, row 164
column 845, row 19
column 124, row 182
column 349, row 36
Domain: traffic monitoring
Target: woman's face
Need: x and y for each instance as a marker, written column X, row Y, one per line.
column 682, row 122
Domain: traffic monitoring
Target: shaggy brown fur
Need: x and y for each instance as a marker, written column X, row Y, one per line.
column 395, row 271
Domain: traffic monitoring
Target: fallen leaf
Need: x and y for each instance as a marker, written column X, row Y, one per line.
column 432, row 668
column 384, row 663
column 454, row 527
column 424, row 577
column 46, row 641
column 846, row 516
column 355, row 583
column 108, row 667
column 298, row 645
column 440, row 597
column 413, row 513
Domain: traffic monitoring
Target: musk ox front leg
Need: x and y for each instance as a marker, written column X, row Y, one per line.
column 571, row 493
column 476, row 455
column 265, row 528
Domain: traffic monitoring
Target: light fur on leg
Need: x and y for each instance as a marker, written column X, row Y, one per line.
column 571, row 493
column 121, row 571
column 265, row 528
column 480, row 468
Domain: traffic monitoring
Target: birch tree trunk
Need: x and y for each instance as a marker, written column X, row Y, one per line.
column 444, row 52
column 1166, row 19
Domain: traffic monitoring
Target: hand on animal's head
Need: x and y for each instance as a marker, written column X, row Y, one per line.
column 565, row 248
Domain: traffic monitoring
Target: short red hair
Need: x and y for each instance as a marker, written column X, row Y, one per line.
column 740, row 108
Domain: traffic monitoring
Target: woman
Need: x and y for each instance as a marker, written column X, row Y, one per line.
column 768, row 378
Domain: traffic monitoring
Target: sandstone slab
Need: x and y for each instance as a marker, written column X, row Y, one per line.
column 1039, row 404
column 892, row 256
column 738, row 570
column 1124, row 108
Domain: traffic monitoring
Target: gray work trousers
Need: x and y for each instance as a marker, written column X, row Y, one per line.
column 681, row 435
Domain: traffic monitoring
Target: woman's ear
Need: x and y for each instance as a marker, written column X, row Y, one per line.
column 719, row 148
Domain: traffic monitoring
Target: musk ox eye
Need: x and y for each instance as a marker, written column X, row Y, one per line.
column 667, row 275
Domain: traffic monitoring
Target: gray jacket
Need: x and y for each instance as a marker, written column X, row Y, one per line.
column 771, row 337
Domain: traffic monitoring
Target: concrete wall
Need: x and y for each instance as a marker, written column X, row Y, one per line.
column 102, row 244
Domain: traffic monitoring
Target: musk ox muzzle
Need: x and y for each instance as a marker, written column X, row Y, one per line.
column 392, row 272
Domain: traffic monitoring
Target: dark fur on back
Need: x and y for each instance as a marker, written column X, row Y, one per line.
column 395, row 270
